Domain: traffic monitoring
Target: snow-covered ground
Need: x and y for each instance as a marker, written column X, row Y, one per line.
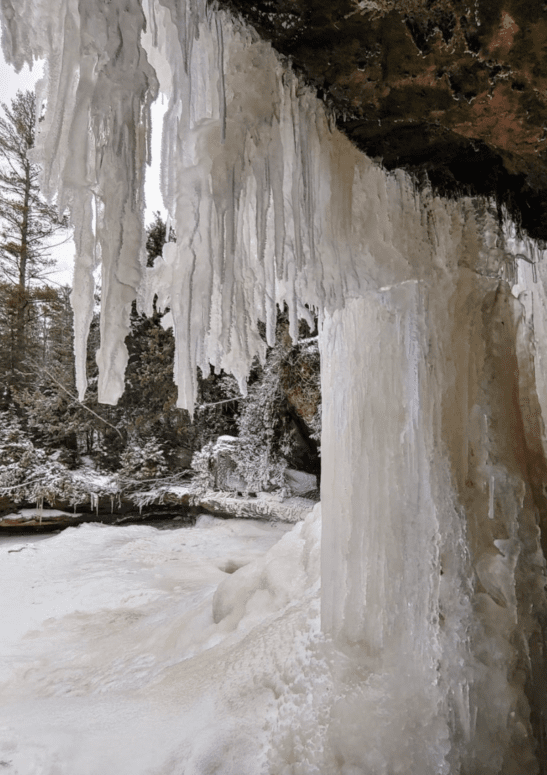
column 128, row 650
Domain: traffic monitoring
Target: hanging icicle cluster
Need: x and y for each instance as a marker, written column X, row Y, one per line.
column 92, row 144
column 247, row 178
column 270, row 204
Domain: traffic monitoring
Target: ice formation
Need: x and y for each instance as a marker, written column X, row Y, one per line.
column 432, row 336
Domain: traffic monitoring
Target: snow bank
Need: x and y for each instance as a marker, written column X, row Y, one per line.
column 265, row 585
column 132, row 650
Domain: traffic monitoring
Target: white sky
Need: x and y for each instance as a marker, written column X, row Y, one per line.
column 10, row 83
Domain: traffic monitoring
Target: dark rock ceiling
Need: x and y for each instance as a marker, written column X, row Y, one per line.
column 455, row 92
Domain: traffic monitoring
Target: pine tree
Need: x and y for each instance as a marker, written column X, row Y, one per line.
column 49, row 401
column 27, row 222
column 156, row 237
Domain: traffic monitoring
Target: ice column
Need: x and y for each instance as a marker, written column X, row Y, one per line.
column 380, row 530
column 380, row 550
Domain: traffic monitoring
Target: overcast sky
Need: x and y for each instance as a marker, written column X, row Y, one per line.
column 10, row 83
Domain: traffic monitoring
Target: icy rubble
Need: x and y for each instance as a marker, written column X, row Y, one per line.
column 434, row 372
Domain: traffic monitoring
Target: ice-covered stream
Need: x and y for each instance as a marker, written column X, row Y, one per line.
column 128, row 650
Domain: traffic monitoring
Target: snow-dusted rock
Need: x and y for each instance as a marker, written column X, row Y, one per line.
column 36, row 516
column 299, row 482
column 265, row 506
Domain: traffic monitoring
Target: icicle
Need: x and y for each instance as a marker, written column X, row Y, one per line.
column 491, row 498
column 92, row 142
column 83, row 286
column 221, row 84
column 94, row 502
column 270, row 204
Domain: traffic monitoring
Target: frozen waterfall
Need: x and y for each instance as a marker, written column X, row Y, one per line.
column 434, row 362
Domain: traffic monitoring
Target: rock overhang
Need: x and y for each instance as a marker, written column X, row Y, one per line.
column 453, row 92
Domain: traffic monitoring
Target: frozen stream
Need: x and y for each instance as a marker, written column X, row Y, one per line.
column 127, row 650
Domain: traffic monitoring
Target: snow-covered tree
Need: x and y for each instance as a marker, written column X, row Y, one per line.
column 142, row 461
column 27, row 473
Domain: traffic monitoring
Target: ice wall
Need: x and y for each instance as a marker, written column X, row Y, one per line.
column 434, row 372
column 432, row 491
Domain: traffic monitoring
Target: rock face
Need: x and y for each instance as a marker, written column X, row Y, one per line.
column 454, row 91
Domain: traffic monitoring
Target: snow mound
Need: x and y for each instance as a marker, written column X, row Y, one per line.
column 150, row 659
column 289, row 569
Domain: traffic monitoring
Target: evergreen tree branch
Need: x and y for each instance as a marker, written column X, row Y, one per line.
column 217, row 403
column 75, row 398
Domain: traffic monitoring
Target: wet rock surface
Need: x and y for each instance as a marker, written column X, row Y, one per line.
column 455, row 92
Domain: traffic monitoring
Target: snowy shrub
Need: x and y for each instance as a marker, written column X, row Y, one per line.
column 280, row 421
column 215, row 466
column 300, row 375
column 278, row 424
column 246, row 465
column 51, row 481
column 218, row 399
column 29, row 474
column 203, row 468
column 17, row 454
column 141, row 461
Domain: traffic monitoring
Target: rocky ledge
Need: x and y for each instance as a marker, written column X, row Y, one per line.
column 453, row 91
column 180, row 504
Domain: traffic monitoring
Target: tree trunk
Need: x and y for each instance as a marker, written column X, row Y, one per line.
column 22, row 296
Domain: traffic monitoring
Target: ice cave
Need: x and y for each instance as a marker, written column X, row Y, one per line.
column 411, row 639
